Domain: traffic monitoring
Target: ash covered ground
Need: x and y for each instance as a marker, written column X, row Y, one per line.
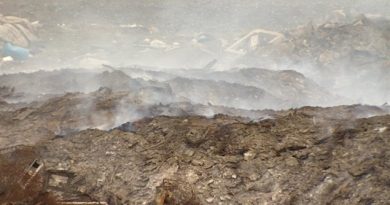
column 194, row 102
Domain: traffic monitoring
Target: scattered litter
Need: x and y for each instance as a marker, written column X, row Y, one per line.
column 18, row 31
column 382, row 129
column 8, row 59
column 16, row 52
column 254, row 41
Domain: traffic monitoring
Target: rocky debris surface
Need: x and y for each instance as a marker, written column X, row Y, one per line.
column 170, row 154
column 29, row 123
column 297, row 158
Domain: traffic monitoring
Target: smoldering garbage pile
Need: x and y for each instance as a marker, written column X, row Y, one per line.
column 134, row 136
column 65, row 101
column 304, row 156
column 69, row 145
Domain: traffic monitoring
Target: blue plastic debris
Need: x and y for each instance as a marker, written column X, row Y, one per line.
column 16, row 52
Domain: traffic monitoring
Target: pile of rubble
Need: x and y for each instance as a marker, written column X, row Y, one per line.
column 138, row 141
column 303, row 156
column 29, row 123
column 363, row 40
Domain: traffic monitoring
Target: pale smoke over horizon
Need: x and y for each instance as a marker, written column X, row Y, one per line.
column 82, row 34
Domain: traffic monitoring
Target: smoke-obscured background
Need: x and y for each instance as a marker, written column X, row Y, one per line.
column 175, row 34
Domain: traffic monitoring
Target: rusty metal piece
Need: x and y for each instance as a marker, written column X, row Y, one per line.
column 30, row 173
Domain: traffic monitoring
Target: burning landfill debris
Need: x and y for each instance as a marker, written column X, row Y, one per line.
column 162, row 103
